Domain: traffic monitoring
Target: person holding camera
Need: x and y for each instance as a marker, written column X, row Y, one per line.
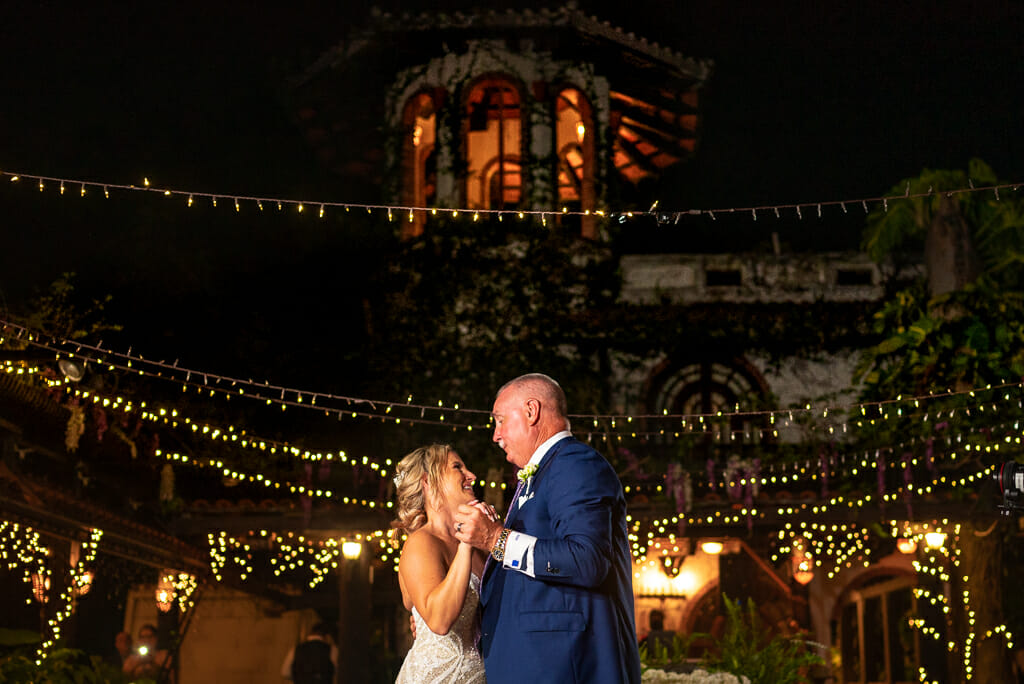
column 146, row 661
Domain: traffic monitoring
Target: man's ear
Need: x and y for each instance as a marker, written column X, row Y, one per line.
column 532, row 411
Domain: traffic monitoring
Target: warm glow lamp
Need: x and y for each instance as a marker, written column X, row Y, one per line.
column 165, row 591
column 41, row 587
column 906, row 545
column 803, row 576
column 711, row 547
column 84, row 583
column 934, row 540
column 351, row 549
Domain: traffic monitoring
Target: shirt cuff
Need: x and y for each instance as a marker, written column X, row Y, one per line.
column 519, row 553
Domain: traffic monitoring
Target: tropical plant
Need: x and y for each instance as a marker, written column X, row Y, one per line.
column 749, row 649
column 957, row 330
column 659, row 654
column 59, row 666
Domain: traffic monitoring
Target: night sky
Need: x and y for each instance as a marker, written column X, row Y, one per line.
column 808, row 102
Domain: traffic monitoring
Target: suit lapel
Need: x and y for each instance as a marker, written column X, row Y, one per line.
column 544, row 464
column 513, row 510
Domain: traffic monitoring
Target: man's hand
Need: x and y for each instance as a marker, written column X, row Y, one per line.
column 478, row 525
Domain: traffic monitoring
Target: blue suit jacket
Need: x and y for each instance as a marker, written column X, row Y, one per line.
column 573, row 622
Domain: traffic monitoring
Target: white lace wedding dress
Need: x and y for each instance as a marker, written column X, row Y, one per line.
column 450, row 658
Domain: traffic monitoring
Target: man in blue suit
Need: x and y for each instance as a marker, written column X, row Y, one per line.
column 557, row 592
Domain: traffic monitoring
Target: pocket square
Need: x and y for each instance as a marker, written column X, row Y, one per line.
column 525, row 497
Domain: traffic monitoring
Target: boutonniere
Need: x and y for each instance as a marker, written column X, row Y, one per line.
column 527, row 472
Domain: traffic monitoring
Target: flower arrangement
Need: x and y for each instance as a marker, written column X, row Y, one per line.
column 527, row 472
column 695, row 677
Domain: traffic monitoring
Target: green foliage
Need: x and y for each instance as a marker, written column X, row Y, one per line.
column 966, row 339
column 59, row 666
column 18, row 637
column 997, row 222
column 749, row 649
column 472, row 304
column 972, row 337
column 661, row 655
column 59, row 313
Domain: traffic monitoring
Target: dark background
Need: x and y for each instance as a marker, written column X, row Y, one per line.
column 808, row 102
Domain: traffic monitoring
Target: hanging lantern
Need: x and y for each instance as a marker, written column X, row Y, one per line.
column 165, row 591
column 804, row 571
column 41, row 586
column 83, row 583
column 906, row 545
column 803, row 562
column 803, row 576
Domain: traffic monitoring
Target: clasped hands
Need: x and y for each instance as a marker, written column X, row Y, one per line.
column 478, row 525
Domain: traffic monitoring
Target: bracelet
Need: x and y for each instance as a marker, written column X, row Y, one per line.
column 498, row 552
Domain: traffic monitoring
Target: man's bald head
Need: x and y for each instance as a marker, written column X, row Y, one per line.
column 543, row 387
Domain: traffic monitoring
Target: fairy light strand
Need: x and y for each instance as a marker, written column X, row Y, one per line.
column 278, row 394
column 661, row 216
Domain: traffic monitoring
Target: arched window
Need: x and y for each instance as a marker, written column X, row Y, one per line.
column 503, row 184
column 574, row 143
column 493, row 126
column 707, row 387
column 419, row 161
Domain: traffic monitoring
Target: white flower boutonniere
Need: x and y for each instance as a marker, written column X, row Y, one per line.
column 527, row 472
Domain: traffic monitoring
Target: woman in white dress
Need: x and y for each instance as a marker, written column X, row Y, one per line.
column 438, row 574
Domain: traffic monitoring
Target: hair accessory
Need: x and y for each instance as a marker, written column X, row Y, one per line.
column 398, row 478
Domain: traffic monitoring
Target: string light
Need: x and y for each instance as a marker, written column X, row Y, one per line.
column 276, row 394
column 661, row 216
column 235, row 436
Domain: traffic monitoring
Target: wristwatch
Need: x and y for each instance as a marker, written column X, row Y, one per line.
column 498, row 552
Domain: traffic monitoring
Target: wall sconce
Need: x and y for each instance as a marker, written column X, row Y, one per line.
column 351, row 549
column 712, row 548
column 41, row 587
column 581, row 131
column 654, row 582
column 165, row 591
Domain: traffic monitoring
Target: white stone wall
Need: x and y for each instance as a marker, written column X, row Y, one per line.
column 797, row 278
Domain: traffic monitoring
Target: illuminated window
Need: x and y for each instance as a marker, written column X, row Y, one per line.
column 419, row 165
column 574, row 142
column 503, row 183
column 493, row 128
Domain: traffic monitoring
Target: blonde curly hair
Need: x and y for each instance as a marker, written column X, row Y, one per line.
column 429, row 461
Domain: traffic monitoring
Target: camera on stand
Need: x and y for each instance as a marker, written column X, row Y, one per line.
column 1010, row 478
